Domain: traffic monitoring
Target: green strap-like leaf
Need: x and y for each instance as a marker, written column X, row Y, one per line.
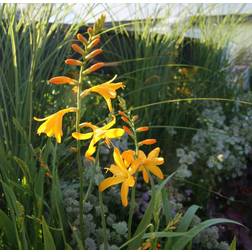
column 183, row 241
column 48, row 238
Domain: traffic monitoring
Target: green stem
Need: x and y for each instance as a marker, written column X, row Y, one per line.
column 81, row 174
column 133, row 192
column 103, row 221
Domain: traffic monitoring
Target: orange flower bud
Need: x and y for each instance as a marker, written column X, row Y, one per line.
column 147, row 142
column 121, row 113
column 94, row 67
column 82, row 39
column 90, row 30
column 62, row 80
column 93, row 54
column 94, row 43
column 73, row 62
column 127, row 130
column 77, row 49
column 142, row 129
column 125, row 119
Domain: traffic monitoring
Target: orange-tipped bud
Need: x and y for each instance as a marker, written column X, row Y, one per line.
column 90, row 30
column 73, row 62
column 127, row 130
column 121, row 113
column 77, row 49
column 82, row 39
column 135, row 118
column 94, row 43
column 147, row 142
column 142, row 129
column 94, row 67
column 125, row 119
column 62, row 80
column 93, row 54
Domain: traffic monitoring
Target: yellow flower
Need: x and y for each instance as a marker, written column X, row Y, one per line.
column 53, row 124
column 150, row 164
column 98, row 133
column 107, row 90
column 123, row 171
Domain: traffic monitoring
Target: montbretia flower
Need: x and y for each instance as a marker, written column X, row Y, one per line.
column 53, row 124
column 123, row 172
column 150, row 164
column 98, row 134
column 107, row 90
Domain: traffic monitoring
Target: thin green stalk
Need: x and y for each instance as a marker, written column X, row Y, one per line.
column 81, row 174
column 133, row 192
column 103, row 221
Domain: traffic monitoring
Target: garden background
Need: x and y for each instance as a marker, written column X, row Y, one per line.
column 188, row 78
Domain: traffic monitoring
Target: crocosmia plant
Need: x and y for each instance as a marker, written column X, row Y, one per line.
column 128, row 166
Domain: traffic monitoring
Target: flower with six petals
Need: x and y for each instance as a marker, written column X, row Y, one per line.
column 98, row 134
column 123, row 171
column 107, row 90
column 53, row 124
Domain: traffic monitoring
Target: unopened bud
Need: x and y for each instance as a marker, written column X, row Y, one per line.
column 142, row 129
column 62, row 80
column 125, row 119
column 147, row 142
column 93, row 54
column 77, row 49
column 94, row 43
column 94, row 67
column 82, row 39
column 73, row 62
column 127, row 130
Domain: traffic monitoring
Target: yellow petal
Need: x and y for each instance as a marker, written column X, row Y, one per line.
column 89, row 125
column 154, row 153
column 141, row 155
column 145, row 176
column 131, row 181
column 114, row 133
column 118, row 159
column 158, row 161
column 124, row 193
column 108, row 101
column 91, row 149
column 128, row 157
column 110, row 124
column 117, row 171
column 80, row 136
column 110, row 182
column 156, row 171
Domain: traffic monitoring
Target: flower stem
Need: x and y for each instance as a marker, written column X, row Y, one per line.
column 81, row 174
column 103, row 221
column 133, row 192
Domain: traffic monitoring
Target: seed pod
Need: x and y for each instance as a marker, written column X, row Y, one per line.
column 73, row 62
column 94, row 67
column 93, row 54
column 62, row 80
column 77, row 49
column 82, row 39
